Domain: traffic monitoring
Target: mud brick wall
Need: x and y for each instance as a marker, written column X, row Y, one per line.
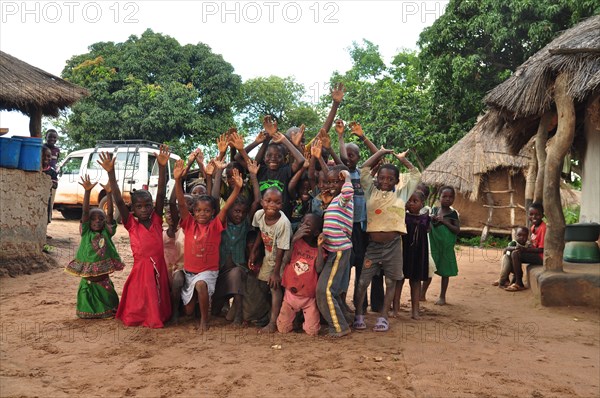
column 23, row 218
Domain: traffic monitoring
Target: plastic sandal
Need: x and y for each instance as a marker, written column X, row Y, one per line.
column 382, row 325
column 359, row 322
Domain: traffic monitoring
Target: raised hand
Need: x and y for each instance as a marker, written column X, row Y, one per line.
column 402, row 155
column 235, row 140
column 163, row 156
column 86, row 183
column 277, row 137
column 339, row 127
column 296, row 136
column 222, row 143
column 261, row 137
column 179, row 170
column 325, row 140
column 356, row 129
column 270, row 125
column 238, row 181
column 306, row 163
column 199, row 155
column 253, row 167
column 220, row 165
column 106, row 161
column 338, row 92
column 316, row 148
column 107, row 188
column 210, row 168
column 344, row 174
column 386, row 151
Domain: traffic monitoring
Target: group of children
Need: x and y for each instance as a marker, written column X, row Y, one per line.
column 279, row 242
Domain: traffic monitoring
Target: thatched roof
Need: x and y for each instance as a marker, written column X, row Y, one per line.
column 24, row 87
column 476, row 154
column 528, row 92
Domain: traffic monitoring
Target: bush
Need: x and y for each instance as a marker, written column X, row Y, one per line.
column 571, row 214
column 492, row 241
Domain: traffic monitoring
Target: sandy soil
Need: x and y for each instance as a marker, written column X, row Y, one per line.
column 485, row 343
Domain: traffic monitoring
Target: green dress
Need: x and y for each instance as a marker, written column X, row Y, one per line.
column 96, row 258
column 442, row 242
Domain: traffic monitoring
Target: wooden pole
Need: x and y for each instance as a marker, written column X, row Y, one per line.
column 554, row 242
column 530, row 182
column 513, row 233
column 35, row 123
column 541, row 138
column 489, row 199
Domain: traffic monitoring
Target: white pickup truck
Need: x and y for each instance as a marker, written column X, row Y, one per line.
column 135, row 168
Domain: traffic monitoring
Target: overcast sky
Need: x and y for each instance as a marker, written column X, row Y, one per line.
column 304, row 39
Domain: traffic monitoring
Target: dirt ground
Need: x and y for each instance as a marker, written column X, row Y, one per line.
column 485, row 343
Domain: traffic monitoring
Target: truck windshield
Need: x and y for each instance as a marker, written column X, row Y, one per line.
column 133, row 161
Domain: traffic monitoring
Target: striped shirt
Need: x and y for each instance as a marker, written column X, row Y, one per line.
column 337, row 222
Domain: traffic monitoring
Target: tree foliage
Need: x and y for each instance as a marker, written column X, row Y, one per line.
column 277, row 96
column 388, row 101
column 151, row 87
column 476, row 45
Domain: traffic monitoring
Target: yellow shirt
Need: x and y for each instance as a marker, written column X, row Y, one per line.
column 386, row 209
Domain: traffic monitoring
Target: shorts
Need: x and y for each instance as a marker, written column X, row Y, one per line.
column 384, row 256
column 209, row 277
column 531, row 258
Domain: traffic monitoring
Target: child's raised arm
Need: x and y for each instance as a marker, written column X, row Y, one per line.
column 179, row 172
column 218, row 176
column 253, row 167
column 107, row 161
column 87, row 186
column 374, row 159
column 174, row 211
column 238, row 143
column 237, row 187
column 339, row 129
column 296, row 179
column 162, row 158
column 261, row 138
column 358, row 131
column 222, row 145
column 337, row 94
column 109, row 204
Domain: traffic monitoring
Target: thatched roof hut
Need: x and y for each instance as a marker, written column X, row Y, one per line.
column 34, row 92
column 527, row 94
column 489, row 182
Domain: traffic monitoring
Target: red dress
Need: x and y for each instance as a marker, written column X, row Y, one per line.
column 146, row 299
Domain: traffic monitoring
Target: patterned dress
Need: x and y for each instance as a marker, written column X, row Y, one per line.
column 96, row 258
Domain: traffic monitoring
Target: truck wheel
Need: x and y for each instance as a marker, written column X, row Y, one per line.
column 103, row 206
column 71, row 214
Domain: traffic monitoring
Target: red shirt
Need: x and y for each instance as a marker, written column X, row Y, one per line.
column 537, row 236
column 300, row 275
column 201, row 247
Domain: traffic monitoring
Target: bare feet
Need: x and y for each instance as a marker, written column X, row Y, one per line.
column 441, row 301
column 415, row 316
column 395, row 314
column 422, row 298
column 270, row 328
column 202, row 327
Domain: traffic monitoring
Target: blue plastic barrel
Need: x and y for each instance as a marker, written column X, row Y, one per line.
column 11, row 151
column 31, row 154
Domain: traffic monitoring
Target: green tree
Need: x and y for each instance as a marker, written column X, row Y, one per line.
column 388, row 101
column 475, row 45
column 151, row 87
column 277, row 96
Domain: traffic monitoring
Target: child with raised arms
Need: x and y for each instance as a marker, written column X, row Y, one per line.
column 386, row 224
column 96, row 258
column 202, row 240
column 145, row 299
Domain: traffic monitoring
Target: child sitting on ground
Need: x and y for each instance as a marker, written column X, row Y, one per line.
column 96, row 258
column 304, row 262
column 202, row 240
column 506, row 265
column 386, row 225
column 275, row 233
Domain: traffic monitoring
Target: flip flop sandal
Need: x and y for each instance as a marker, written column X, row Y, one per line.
column 382, row 325
column 514, row 288
column 359, row 322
